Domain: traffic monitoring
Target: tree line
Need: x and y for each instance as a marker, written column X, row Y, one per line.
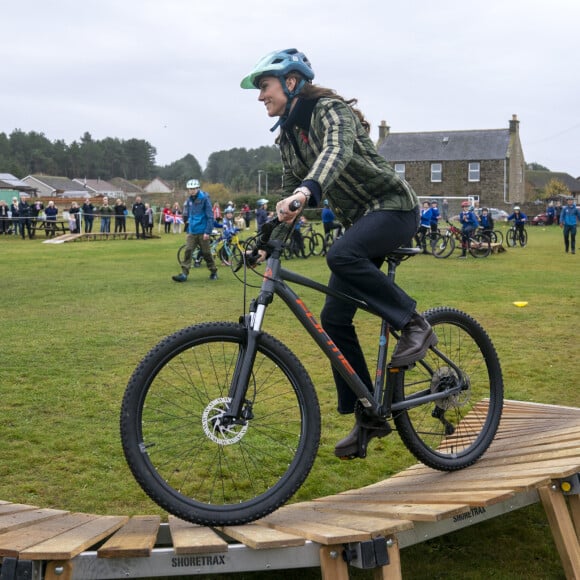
column 239, row 169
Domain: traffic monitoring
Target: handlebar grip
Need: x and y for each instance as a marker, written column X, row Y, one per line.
column 295, row 205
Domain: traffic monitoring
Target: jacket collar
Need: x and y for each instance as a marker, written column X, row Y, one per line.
column 300, row 115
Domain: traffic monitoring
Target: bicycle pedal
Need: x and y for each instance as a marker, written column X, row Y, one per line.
column 398, row 368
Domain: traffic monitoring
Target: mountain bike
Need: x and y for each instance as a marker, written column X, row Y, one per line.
column 478, row 244
column 229, row 249
column 220, row 422
column 515, row 236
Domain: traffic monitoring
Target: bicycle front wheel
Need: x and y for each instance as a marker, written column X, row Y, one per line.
column 452, row 432
column 443, row 246
column 511, row 238
column 317, row 244
column 187, row 458
column 523, row 238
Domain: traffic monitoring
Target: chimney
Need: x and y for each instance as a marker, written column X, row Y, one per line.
column 514, row 124
column 384, row 130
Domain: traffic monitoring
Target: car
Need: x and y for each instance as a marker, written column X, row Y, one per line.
column 497, row 215
column 540, row 220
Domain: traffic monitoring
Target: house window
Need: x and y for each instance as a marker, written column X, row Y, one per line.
column 474, row 171
column 400, row 170
column 436, row 172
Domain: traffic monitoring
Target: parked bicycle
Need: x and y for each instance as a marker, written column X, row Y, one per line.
column 229, row 249
column 220, row 422
column 478, row 244
column 516, row 235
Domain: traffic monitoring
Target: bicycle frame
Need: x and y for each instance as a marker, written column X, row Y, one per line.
column 274, row 283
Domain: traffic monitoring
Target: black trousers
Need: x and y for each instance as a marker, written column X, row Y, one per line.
column 355, row 261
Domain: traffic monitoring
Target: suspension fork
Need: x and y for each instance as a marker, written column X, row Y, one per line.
column 252, row 323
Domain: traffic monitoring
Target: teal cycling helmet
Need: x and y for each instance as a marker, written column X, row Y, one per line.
column 278, row 64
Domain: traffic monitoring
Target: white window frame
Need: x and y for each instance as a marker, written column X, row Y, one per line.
column 400, row 170
column 436, row 172
column 474, row 171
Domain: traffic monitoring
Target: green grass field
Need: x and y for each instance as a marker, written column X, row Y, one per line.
column 78, row 317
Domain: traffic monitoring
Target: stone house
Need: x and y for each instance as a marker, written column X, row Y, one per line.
column 487, row 164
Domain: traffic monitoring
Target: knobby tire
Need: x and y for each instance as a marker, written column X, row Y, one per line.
column 175, row 448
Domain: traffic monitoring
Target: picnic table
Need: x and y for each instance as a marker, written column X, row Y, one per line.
column 50, row 227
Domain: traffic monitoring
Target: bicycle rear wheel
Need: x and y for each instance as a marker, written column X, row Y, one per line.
column 182, row 453
column 453, row 432
column 479, row 246
column 181, row 256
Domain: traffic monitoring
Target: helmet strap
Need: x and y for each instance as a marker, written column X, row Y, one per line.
column 290, row 95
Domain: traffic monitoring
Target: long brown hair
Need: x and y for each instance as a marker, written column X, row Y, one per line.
column 310, row 91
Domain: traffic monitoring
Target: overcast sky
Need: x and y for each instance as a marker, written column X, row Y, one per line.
column 168, row 71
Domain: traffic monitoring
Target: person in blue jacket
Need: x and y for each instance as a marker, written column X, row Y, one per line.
column 569, row 217
column 424, row 226
column 329, row 222
column 198, row 219
column 519, row 218
column 469, row 223
column 435, row 216
column 486, row 221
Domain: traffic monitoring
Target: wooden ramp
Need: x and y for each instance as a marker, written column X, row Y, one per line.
column 535, row 457
column 63, row 238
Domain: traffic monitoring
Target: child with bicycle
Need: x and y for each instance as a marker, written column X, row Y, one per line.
column 327, row 154
column 486, row 222
column 519, row 218
column 469, row 223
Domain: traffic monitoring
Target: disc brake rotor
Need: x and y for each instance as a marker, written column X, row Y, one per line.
column 216, row 428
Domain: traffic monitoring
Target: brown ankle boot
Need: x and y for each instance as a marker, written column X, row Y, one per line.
column 416, row 339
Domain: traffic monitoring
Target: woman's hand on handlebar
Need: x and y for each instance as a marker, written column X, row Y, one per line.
column 288, row 208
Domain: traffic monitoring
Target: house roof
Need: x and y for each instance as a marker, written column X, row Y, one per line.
column 8, row 181
column 446, row 145
column 98, row 185
column 126, row 186
column 57, row 183
column 539, row 179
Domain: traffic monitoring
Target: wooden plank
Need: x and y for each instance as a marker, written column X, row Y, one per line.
column 14, row 542
column 475, row 498
column 136, row 539
column 398, row 511
column 260, row 537
column 20, row 519
column 10, row 508
column 69, row 544
column 371, row 523
column 188, row 538
column 574, row 501
column 332, row 566
column 562, row 530
column 317, row 532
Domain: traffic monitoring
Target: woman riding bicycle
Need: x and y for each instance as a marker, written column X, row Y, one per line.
column 327, row 153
